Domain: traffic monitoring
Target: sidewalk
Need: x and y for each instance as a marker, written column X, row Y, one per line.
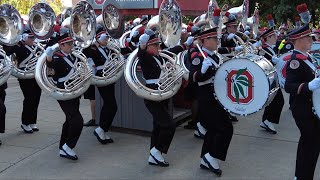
column 253, row 153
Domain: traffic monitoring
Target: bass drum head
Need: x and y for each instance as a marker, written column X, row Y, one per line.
column 241, row 85
column 316, row 102
column 281, row 67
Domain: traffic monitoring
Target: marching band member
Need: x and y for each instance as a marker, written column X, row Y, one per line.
column 163, row 125
column 63, row 62
column 228, row 36
column 98, row 52
column 24, row 51
column 3, row 111
column 219, row 128
column 273, row 111
column 300, row 83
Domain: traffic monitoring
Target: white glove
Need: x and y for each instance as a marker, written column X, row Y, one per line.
column 238, row 48
column 128, row 40
column 314, row 84
column 103, row 37
column 205, row 65
column 143, row 39
column 24, row 36
column 257, row 44
column 49, row 51
column 275, row 59
column 247, row 33
column 189, row 41
column 135, row 33
column 231, row 36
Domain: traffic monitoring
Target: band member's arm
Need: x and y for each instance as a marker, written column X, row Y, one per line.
column 224, row 50
column 294, row 83
column 10, row 49
column 195, row 74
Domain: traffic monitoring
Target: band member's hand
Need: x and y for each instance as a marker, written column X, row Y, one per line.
column 135, row 34
column 314, row 84
column 25, row 36
column 128, row 40
column 231, row 36
column 189, row 41
column 49, row 51
column 257, row 44
column 246, row 33
column 205, row 65
column 143, row 39
column 238, row 48
column 275, row 59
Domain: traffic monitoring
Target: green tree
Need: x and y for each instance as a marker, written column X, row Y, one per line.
column 24, row 6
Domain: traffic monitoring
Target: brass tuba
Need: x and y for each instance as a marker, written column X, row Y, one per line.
column 82, row 29
column 114, row 66
column 11, row 28
column 171, row 79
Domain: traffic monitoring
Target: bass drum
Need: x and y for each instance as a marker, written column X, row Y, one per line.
column 245, row 84
column 281, row 67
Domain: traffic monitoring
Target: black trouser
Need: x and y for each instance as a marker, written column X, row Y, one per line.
column 216, row 120
column 31, row 92
column 109, row 108
column 2, row 110
column 73, row 125
column 308, row 147
column 163, row 125
column 272, row 112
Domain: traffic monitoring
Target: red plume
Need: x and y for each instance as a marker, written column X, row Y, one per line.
column 302, row 8
column 269, row 17
column 297, row 18
column 190, row 24
column 217, row 12
column 131, row 22
column 227, row 14
column 189, row 28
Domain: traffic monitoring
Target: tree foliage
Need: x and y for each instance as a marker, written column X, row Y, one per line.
column 24, row 6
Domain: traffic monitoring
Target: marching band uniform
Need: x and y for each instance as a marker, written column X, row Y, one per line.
column 163, row 124
column 273, row 111
column 211, row 113
column 30, row 89
column 63, row 64
column 2, row 108
column 300, row 83
column 99, row 54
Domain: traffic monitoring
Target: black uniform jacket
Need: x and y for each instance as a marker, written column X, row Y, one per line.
column 98, row 56
column 22, row 52
column 298, row 75
column 195, row 74
column 61, row 66
column 150, row 64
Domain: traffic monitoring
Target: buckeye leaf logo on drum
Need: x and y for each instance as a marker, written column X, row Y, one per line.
column 240, row 86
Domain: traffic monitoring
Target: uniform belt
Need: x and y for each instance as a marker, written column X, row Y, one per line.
column 205, row 82
column 66, row 77
column 152, row 81
column 99, row 67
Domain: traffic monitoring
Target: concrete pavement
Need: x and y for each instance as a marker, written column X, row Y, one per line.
column 253, row 153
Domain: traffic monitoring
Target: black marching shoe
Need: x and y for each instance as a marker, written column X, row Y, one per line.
column 34, row 127
column 27, row 128
column 0, row 142
column 67, row 152
column 205, row 164
column 155, row 162
column 102, row 141
column 156, row 158
column 91, row 122
column 233, row 119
